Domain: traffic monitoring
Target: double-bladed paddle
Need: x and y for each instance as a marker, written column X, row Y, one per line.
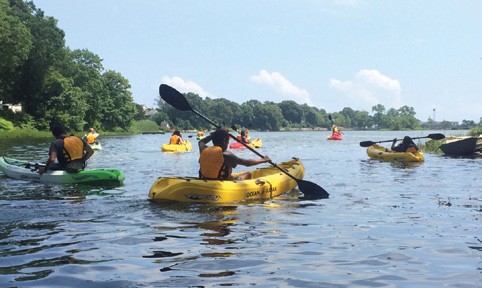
column 310, row 190
column 434, row 136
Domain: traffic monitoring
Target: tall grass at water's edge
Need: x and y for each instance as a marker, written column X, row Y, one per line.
column 433, row 146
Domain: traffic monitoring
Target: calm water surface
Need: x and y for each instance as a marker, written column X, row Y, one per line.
column 384, row 225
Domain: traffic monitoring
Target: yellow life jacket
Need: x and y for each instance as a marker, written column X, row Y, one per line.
column 174, row 139
column 211, row 162
column 90, row 138
column 73, row 148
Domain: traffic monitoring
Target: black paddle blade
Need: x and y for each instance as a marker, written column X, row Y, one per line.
column 174, row 98
column 436, row 136
column 367, row 143
column 311, row 191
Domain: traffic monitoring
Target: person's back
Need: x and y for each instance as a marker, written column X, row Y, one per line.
column 176, row 138
column 71, row 152
column 217, row 163
column 407, row 145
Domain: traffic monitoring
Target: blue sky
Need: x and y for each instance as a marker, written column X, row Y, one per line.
column 329, row 54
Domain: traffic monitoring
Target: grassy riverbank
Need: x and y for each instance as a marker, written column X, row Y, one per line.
column 137, row 128
column 28, row 133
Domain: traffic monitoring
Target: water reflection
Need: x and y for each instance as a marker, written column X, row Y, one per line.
column 383, row 225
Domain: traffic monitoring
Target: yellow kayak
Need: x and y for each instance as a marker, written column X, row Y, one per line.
column 381, row 153
column 267, row 183
column 187, row 146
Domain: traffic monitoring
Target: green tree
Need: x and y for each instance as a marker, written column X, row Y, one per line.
column 47, row 51
column 379, row 110
column 16, row 42
column 268, row 116
column 119, row 110
column 66, row 103
column 292, row 111
column 362, row 120
column 349, row 115
column 85, row 68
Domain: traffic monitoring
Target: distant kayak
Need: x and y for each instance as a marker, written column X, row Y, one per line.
column 23, row 170
column 256, row 143
column 335, row 136
column 381, row 153
column 96, row 146
column 185, row 147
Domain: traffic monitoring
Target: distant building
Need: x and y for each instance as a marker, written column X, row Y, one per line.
column 148, row 111
column 15, row 108
column 165, row 126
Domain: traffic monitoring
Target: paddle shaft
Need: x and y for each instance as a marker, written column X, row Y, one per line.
column 436, row 136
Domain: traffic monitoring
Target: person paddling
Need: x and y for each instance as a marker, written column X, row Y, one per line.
column 407, row 145
column 71, row 152
column 217, row 163
column 176, row 138
column 90, row 137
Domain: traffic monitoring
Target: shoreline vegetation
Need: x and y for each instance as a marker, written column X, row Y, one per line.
column 138, row 129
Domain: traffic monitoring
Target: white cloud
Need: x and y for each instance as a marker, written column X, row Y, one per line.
column 369, row 88
column 185, row 86
column 282, row 85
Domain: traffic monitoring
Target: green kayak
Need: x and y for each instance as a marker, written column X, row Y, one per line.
column 23, row 170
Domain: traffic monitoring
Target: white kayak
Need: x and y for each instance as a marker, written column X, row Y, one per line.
column 96, row 146
column 23, row 170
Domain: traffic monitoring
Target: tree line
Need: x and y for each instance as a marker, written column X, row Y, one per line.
column 270, row 116
column 53, row 82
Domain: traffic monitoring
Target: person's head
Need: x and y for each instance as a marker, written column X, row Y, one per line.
column 243, row 133
column 58, row 130
column 92, row 130
column 177, row 132
column 407, row 139
column 220, row 138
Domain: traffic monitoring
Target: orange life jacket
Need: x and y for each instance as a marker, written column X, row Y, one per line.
column 411, row 150
column 174, row 139
column 212, row 166
column 90, row 138
column 73, row 148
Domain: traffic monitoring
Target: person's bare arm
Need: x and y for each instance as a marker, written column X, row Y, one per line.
column 52, row 157
column 251, row 162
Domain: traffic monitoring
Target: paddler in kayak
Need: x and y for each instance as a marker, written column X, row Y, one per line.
column 200, row 135
column 407, row 145
column 176, row 138
column 335, row 131
column 217, row 163
column 244, row 136
column 90, row 137
column 71, row 152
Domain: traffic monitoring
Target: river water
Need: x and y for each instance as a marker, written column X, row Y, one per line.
column 384, row 225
